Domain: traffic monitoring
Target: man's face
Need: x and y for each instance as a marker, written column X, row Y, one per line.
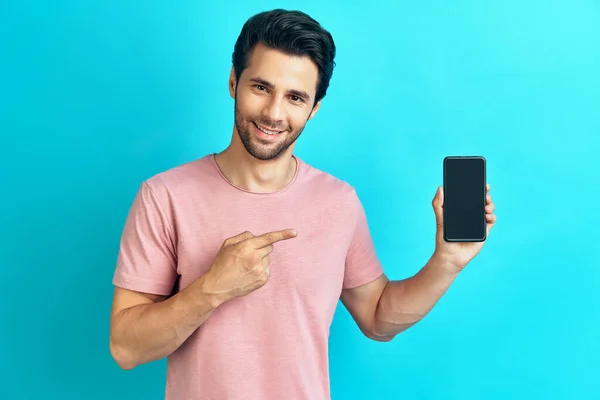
column 273, row 101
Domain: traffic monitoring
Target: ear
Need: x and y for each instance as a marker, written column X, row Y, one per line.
column 232, row 83
column 315, row 109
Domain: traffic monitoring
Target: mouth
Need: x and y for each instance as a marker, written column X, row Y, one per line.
column 266, row 131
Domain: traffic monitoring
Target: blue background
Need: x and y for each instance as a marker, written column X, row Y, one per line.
column 96, row 96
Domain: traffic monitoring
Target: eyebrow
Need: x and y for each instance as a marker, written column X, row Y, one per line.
column 294, row 92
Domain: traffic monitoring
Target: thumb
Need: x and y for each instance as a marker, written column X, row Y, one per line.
column 240, row 237
column 438, row 204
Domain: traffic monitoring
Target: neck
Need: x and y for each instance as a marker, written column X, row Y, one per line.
column 254, row 175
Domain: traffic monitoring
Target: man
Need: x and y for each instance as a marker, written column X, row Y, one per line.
column 232, row 265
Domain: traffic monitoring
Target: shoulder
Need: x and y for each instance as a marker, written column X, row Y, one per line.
column 181, row 179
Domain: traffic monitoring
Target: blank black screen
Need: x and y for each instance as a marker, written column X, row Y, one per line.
column 464, row 199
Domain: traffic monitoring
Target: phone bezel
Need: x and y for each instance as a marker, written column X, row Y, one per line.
column 464, row 240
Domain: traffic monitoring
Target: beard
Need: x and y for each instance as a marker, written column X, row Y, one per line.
column 262, row 150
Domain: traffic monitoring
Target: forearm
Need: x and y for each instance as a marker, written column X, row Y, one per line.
column 149, row 332
column 404, row 303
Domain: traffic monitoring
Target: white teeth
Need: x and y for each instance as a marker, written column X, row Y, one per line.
column 268, row 132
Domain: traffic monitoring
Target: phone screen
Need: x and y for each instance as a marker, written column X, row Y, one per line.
column 464, row 199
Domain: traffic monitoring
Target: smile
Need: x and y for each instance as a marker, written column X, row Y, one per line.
column 268, row 132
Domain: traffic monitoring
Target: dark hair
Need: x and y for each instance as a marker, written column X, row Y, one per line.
column 291, row 32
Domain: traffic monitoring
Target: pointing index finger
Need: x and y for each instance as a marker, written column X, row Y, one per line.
column 269, row 238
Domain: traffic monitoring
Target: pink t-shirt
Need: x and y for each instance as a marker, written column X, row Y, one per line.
column 272, row 343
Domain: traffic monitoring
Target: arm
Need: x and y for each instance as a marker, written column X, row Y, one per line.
column 384, row 308
column 146, row 323
column 146, row 327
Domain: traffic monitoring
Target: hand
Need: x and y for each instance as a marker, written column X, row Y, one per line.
column 242, row 265
column 458, row 254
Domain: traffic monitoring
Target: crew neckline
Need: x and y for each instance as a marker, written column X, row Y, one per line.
column 284, row 189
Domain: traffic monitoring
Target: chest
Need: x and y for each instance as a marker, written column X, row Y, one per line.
column 306, row 271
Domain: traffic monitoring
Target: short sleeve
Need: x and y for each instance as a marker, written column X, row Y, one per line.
column 362, row 263
column 147, row 259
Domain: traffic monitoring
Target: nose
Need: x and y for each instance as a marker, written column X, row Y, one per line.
column 274, row 109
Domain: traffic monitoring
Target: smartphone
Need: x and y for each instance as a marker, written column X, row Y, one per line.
column 464, row 199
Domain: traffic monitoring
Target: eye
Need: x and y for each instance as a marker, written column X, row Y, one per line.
column 296, row 99
column 260, row 87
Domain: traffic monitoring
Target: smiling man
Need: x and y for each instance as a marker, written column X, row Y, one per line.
column 232, row 265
